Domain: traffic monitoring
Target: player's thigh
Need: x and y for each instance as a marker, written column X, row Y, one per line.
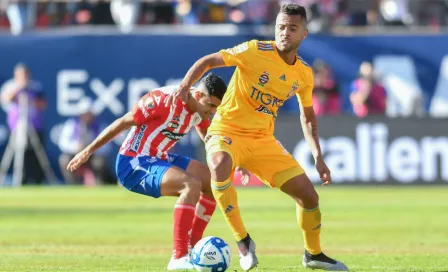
column 201, row 171
column 223, row 154
column 175, row 181
column 153, row 177
column 193, row 168
column 272, row 164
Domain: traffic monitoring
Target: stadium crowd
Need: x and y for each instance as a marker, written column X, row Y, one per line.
column 20, row 15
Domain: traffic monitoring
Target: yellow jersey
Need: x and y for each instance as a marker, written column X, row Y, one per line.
column 261, row 83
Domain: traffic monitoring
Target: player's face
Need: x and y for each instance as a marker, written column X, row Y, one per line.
column 206, row 104
column 290, row 31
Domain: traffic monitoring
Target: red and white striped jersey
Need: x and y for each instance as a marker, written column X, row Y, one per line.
column 159, row 128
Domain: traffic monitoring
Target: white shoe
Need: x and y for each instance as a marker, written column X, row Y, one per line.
column 321, row 261
column 183, row 263
column 246, row 249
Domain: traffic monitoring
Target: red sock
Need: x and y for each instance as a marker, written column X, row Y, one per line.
column 183, row 220
column 204, row 211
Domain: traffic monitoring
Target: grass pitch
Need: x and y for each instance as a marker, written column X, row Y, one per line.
column 111, row 229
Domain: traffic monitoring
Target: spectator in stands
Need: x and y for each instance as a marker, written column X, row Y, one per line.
column 21, row 15
column 326, row 98
column 395, row 12
column 125, row 13
column 368, row 96
column 23, row 86
column 76, row 134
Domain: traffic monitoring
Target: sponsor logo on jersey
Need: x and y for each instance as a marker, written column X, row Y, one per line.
column 238, row 49
column 176, row 118
column 172, row 135
column 263, row 79
column 150, row 102
column 283, row 77
column 266, row 99
column 138, row 139
column 265, row 110
column 197, row 119
column 173, row 125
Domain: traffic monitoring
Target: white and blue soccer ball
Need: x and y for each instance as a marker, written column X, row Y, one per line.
column 211, row 254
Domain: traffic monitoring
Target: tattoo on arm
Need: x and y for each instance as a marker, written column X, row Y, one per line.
column 314, row 130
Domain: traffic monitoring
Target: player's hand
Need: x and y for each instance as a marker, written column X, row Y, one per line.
column 323, row 171
column 245, row 175
column 78, row 160
column 181, row 93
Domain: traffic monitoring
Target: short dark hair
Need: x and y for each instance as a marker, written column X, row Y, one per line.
column 293, row 9
column 215, row 85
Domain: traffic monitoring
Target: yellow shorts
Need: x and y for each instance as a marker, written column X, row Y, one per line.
column 264, row 157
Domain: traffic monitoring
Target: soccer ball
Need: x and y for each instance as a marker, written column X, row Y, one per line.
column 211, row 254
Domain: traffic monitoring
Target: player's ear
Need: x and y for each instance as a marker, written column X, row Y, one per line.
column 305, row 33
column 199, row 95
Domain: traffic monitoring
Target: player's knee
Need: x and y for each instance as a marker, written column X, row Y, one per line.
column 220, row 165
column 311, row 199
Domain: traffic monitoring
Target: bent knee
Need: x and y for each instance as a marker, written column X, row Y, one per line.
column 220, row 165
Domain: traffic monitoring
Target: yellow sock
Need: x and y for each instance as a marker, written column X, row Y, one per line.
column 227, row 199
column 309, row 221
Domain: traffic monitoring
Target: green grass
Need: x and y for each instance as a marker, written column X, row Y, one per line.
column 111, row 229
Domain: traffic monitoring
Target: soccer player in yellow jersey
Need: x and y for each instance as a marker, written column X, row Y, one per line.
column 241, row 134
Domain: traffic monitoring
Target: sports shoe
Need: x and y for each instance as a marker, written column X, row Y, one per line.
column 182, row 263
column 246, row 249
column 322, row 261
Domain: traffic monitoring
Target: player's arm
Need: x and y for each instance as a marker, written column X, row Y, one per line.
column 309, row 125
column 310, row 131
column 239, row 55
column 195, row 73
column 202, row 132
column 107, row 135
column 202, row 128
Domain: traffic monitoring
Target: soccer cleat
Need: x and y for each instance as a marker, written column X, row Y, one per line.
column 322, row 261
column 183, row 263
column 246, row 249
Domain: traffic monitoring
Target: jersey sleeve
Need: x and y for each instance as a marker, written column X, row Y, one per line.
column 305, row 93
column 204, row 124
column 147, row 108
column 240, row 54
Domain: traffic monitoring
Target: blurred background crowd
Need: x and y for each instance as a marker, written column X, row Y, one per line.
column 324, row 15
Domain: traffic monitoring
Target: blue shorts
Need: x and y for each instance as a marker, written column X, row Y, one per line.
column 143, row 175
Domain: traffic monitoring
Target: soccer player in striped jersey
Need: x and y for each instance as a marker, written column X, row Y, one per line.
column 145, row 166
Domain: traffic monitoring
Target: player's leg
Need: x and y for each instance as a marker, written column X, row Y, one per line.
column 222, row 156
column 277, row 168
column 176, row 182
column 206, row 205
column 302, row 191
column 154, row 177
